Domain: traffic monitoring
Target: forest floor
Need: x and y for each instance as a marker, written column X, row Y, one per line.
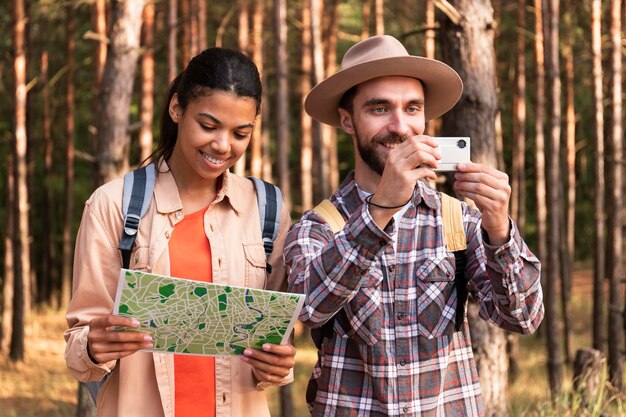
column 41, row 387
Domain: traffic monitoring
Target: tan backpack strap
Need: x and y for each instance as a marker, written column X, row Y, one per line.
column 327, row 211
column 452, row 218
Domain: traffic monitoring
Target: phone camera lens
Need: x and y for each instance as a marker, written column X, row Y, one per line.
column 461, row 144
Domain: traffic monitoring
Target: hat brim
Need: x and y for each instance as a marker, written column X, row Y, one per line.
column 442, row 85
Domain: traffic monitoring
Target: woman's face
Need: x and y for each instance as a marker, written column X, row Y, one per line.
column 213, row 133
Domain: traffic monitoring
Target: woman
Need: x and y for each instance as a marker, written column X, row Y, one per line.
column 198, row 208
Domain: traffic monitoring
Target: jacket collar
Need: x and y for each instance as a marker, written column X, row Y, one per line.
column 167, row 198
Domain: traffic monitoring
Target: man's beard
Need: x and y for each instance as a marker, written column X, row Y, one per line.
column 368, row 152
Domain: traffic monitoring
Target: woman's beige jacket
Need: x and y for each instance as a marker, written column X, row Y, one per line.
column 143, row 384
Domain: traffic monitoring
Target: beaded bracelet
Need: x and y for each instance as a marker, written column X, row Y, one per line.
column 368, row 200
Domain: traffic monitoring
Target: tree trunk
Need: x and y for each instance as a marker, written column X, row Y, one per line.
column 185, row 17
column 379, row 21
column 468, row 48
column 330, row 64
column 366, row 12
column 66, row 280
column 256, row 145
column 244, row 47
column 569, row 175
column 172, row 33
column 21, row 295
column 8, row 282
column 48, row 275
column 615, row 185
column 519, row 122
column 429, row 46
column 117, row 89
column 540, row 164
column 147, row 82
column 489, row 349
column 282, row 98
column 306, row 123
column 555, row 366
column 321, row 168
column 99, row 22
column 203, row 41
column 599, row 296
column 194, row 46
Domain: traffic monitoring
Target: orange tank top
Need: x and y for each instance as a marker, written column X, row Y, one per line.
column 194, row 376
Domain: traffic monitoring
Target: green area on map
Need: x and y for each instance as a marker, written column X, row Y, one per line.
column 200, row 318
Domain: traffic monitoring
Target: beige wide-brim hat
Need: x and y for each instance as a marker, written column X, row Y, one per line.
column 381, row 56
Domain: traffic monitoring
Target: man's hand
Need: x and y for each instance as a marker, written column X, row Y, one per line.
column 490, row 190
column 406, row 164
column 105, row 344
column 273, row 363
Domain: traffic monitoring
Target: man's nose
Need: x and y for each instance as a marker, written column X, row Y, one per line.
column 398, row 123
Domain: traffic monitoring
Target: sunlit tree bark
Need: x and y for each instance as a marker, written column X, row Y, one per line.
column 282, row 101
column 256, row 143
column 117, row 88
column 599, row 296
column 468, row 47
column 321, row 189
column 21, row 251
column 147, row 82
column 68, row 211
column 172, row 33
column 569, row 175
column 331, row 17
column 554, row 194
column 379, row 17
column 306, row 123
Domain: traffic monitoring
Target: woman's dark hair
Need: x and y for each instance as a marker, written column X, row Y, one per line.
column 213, row 69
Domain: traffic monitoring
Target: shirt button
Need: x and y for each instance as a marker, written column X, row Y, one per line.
column 402, row 362
column 400, row 316
column 391, row 268
column 179, row 214
column 405, row 409
column 167, row 235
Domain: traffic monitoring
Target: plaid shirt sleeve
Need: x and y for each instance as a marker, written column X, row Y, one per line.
column 505, row 281
column 330, row 268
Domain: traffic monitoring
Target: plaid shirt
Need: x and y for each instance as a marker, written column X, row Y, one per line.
column 393, row 350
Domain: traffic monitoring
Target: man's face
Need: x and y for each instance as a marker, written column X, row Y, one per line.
column 385, row 111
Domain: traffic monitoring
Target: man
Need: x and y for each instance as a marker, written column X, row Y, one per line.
column 386, row 281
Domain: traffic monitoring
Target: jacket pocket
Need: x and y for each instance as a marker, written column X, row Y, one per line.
column 436, row 297
column 255, row 265
column 363, row 316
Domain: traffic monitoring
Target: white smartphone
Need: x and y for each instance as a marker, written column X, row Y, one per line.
column 453, row 150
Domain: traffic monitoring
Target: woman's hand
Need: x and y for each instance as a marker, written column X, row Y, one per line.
column 105, row 344
column 273, row 363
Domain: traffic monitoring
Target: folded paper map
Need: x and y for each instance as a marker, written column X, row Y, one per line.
column 200, row 318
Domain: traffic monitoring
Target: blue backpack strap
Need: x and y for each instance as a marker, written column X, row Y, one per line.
column 269, row 200
column 138, row 187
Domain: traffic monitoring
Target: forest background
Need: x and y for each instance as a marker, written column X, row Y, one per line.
column 84, row 83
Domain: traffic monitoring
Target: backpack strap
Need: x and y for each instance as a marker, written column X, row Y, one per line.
column 138, row 187
column 269, row 199
column 327, row 211
column 136, row 198
column 456, row 241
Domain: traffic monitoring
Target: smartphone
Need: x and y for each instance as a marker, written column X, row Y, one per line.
column 453, row 150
